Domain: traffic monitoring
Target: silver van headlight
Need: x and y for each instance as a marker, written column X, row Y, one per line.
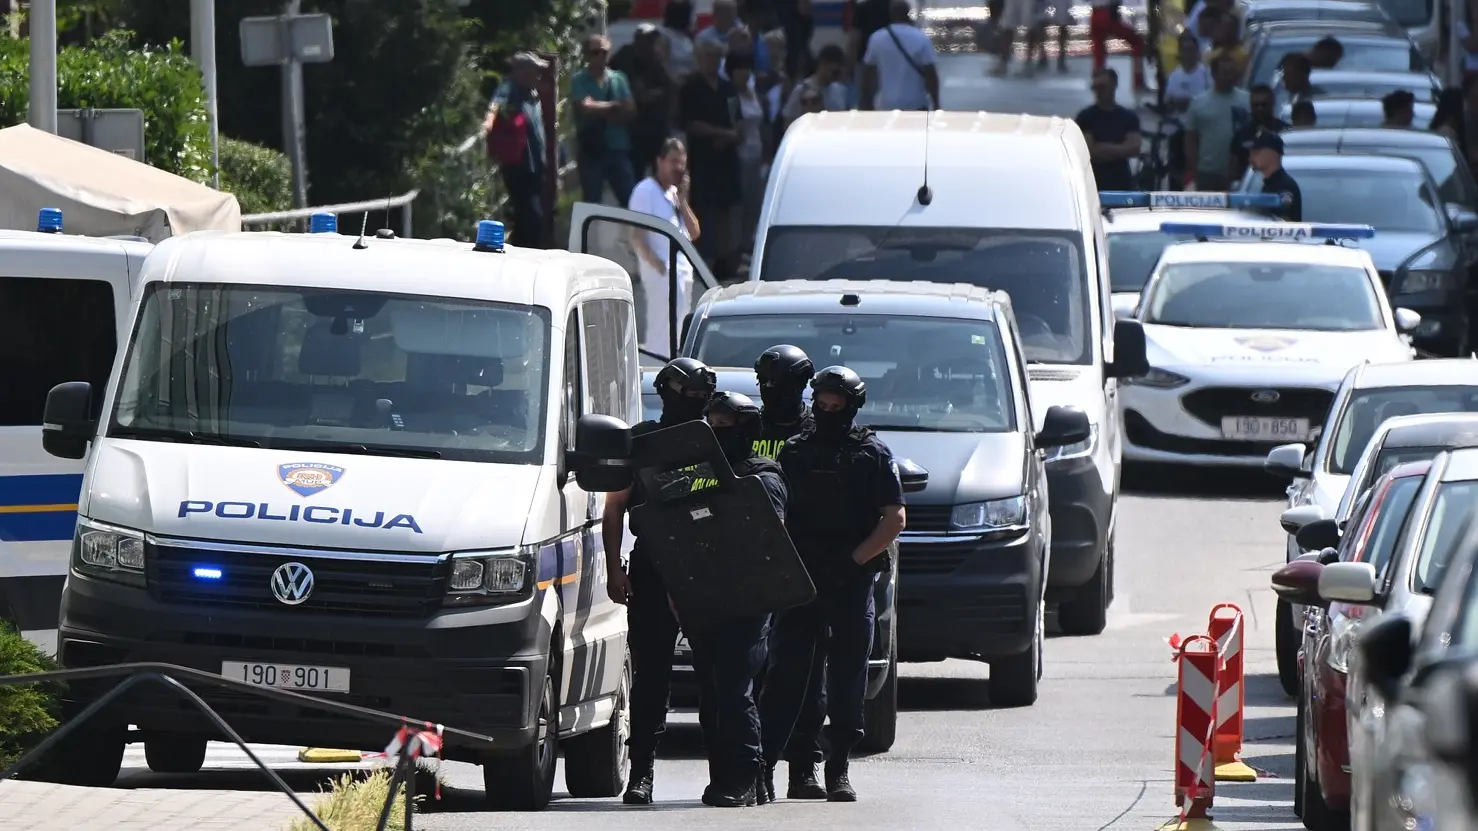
column 490, row 576
column 108, row 552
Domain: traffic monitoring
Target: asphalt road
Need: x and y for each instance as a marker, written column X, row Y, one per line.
column 1094, row 753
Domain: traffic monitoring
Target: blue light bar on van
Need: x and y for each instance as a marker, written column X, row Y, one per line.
column 49, row 221
column 1268, row 231
column 1188, row 199
column 323, row 222
column 207, row 573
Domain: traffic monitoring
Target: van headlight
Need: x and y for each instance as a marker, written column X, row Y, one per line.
column 478, row 577
column 998, row 516
column 108, row 552
column 1074, row 451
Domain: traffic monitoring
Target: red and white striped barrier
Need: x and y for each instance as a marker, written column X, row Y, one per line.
column 1227, row 627
column 1195, row 717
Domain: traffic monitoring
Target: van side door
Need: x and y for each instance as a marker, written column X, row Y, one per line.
column 565, row 577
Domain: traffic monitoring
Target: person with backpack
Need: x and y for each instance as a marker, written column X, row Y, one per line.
column 514, row 132
column 899, row 71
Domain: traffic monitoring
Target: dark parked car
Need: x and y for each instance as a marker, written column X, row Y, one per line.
column 1440, row 155
column 1355, row 112
column 1380, row 47
column 1369, row 83
column 1257, row 14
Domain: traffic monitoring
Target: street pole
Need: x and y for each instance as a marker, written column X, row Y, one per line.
column 292, row 114
column 43, row 65
column 203, row 48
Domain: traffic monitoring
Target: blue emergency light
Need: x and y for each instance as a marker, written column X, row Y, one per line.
column 207, row 573
column 323, row 222
column 1267, row 231
column 1188, row 199
column 49, row 221
column 490, row 235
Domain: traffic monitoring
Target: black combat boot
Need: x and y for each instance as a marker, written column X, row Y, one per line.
column 730, row 795
column 764, row 789
column 804, row 783
column 639, row 786
column 838, row 785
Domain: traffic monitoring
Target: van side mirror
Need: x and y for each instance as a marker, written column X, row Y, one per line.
column 1348, row 583
column 1321, row 533
column 1131, row 355
column 66, row 423
column 912, row 476
column 1287, row 461
column 1406, row 321
column 602, row 456
column 1063, row 427
column 1295, row 518
column 1385, row 653
column 682, row 336
column 1462, row 219
column 1298, row 582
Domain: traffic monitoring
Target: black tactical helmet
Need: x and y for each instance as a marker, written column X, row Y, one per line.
column 842, row 380
column 784, row 365
column 690, row 375
column 741, row 407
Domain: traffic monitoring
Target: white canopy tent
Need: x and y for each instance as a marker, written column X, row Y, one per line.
column 100, row 193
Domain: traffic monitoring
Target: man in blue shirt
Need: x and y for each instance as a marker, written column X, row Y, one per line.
column 603, row 107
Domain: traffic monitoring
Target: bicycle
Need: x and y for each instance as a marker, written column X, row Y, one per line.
column 1155, row 170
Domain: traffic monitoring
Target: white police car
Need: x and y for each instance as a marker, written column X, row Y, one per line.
column 1249, row 337
column 1131, row 229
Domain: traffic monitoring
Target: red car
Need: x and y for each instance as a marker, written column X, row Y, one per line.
column 1322, row 756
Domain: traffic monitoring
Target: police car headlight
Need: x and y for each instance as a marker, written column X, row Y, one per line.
column 109, row 552
column 1417, row 282
column 995, row 515
column 1076, row 450
column 488, row 576
column 1159, row 379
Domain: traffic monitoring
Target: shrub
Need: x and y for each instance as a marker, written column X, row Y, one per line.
column 354, row 804
column 29, row 711
column 260, row 177
column 161, row 82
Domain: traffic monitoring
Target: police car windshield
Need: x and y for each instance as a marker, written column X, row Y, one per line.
column 1043, row 271
column 1452, row 512
column 347, row 372
column 1368, row 409
column 922, row 373
column 1300, row 296
column 1387, row 200
column 1132, row 256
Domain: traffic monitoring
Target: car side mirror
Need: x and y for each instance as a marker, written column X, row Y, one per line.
column 682, row 336
column 1319, row 534
column 1461, row 218
column 1063, row 426
column 1295, row 518
column 912, row 476
column 1124, row 306
column 1407, row 321
column 66, row 423
column 1287, row 461
column 1131, row 355
column 602, row 456
column 1348, row 583
column 1298, row 582
column 1385, row 653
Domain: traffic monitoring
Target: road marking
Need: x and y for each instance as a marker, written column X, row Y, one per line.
column 1120, row 616
column 227, row 756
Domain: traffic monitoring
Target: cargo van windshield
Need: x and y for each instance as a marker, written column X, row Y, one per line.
column 336, row 371
column 1043, row 271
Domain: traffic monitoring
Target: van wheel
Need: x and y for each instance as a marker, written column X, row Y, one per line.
column 880, row 716
column 595, row 762
column 524, row 780
column 1285, row 639
column 1087, row 613
column 1013, row 680
column 168, row 753
column 88, row 758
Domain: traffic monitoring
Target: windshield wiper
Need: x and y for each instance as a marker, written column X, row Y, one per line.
column 181, row 436
column 354, row 447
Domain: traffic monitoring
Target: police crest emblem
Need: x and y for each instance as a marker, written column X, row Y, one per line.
column 308, row 478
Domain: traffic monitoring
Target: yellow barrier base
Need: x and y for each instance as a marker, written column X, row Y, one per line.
column 326, row 756
column 1235, row 772
column 1188, row 825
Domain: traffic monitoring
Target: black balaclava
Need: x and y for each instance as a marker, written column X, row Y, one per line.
column 834, row 424
column 678, row 407
column 737, row 441
column 784, row 403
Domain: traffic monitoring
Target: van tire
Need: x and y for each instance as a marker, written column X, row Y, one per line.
column 1014, row 680
column 880, row 714
column 1087, row 612
column 524, row 780
column 172, row 753
column 595, row 762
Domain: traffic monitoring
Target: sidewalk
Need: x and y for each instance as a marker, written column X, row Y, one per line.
column 40, row 805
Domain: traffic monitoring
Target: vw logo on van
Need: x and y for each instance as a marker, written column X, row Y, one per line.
column 1266, row 396
column 292, row 583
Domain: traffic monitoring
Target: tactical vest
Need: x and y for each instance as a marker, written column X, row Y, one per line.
column 774, row 436
column 831, row 490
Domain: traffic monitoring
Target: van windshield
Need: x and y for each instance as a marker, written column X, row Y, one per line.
column 336, row 371
column 1043, row 271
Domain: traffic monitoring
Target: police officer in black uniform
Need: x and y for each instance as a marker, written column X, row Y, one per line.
column 685, row 385
column 1265, row 154
column 783, row 372
column 728, row 655
column 845, row 509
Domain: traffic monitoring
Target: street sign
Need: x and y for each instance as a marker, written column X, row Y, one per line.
column 118, row 131
column 273, row 41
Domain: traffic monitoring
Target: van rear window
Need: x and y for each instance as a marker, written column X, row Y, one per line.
column 53, row 331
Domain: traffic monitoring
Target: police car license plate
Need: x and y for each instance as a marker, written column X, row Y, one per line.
column 287, row 676
column 1264, row 428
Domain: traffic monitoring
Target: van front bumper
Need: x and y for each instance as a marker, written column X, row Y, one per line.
column 964, row 596
column 475, row 669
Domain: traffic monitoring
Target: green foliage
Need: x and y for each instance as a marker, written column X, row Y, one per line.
column 261, row 178
column 27, row 712
column 161, row 82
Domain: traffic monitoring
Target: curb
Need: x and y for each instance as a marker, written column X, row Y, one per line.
column 326, row 756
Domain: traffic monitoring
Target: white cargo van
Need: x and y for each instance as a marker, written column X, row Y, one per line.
column 64, row 308
column 1007, row 202
column 341, row 468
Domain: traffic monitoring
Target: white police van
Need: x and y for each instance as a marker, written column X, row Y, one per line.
column 64, row 308
column 341, row 467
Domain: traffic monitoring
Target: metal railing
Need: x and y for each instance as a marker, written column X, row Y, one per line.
column 367, row 207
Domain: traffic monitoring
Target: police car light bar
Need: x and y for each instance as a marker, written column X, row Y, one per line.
column 1268, row 231
column 1189, row 199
